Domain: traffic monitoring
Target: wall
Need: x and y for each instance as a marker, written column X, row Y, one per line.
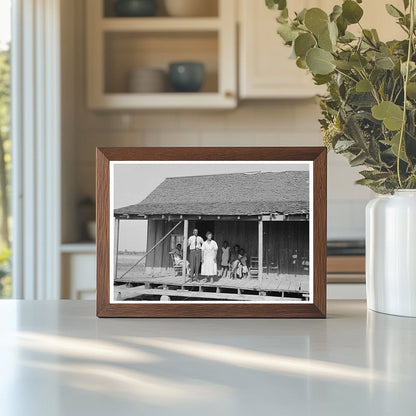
column 254, row 123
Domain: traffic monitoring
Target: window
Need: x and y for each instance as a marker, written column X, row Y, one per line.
column 5, row 145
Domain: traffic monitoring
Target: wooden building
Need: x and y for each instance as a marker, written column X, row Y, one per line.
column 266, row 213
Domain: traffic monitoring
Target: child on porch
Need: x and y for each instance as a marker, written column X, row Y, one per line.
column 242, row 271
column 225, row 259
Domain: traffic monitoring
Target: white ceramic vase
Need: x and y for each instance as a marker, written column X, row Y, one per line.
column 391, row 253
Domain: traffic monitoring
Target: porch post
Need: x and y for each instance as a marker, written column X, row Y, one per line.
column 116, row 242
column 184, row 248
column 260, row 254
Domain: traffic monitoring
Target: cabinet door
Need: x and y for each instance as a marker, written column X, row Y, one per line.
column 78, row 276
column 265, row 68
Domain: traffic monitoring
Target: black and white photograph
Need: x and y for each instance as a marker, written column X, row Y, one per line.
column 211, row 231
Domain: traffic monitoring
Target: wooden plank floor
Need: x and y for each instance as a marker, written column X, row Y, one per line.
column 280, row 283
column 125, row 292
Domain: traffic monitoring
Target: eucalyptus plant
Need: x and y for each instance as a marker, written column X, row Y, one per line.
column 369, row 111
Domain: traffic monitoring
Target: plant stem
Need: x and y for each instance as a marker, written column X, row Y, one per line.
column 405, row 81
column 373, row 88
column 346, row 75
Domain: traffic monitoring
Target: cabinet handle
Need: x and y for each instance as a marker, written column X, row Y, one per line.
column 229, row 94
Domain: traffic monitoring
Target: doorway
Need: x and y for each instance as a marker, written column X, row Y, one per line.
column 203, row 227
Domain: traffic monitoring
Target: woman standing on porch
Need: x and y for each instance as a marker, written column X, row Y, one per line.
column 209, row 256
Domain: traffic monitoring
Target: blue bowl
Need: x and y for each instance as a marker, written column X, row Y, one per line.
column 187, row 76
column 135, row 8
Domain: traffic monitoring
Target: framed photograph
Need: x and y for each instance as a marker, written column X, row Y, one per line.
column 211, row 232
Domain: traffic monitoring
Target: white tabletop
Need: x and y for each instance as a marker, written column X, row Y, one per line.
column 57, row 358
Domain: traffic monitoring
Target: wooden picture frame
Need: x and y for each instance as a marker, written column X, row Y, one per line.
column 315, row 308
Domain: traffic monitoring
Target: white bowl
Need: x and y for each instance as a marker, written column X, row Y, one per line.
column 191, row 8
column 147, row 80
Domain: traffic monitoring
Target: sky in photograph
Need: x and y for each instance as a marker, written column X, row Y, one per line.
column 134, row 182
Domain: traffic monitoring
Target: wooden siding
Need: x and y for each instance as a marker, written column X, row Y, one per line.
column 282, row 241
column 285, row 245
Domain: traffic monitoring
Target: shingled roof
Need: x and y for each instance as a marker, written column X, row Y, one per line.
column 252, row 193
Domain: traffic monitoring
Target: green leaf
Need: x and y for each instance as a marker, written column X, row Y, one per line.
column 368, row 36
column 319, row 61
column 325, row 42
column 287, row 33
column 388, row 112
column 384, row 62
column 412, row 67
column 276, row 4
column 382, row 89
column 316, row 20
column 393, row 11
column 396, row 70
column 342, row 25
column 411, row 90
column 394, row 145
column 406, row 4
column 351, row 11
column 333, row 32
column 354, row 132
column 358, row 61
column 362, row 99
column 301, row 15
column 374, row 150
column 303, row 43
column 344, row 65
column 336, row 12
column 405, row 21
column 374, row 175
column 375, row 35
column 343, row 145
column 363, row 86
column 358, row 160
column 321, row 79
column 347, row 37
column 301, row 63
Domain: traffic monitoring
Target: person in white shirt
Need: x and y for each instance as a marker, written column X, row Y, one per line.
column 195, row 245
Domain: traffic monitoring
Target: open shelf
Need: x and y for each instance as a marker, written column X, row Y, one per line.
column 167, row 100
column 119, row 45
column 159, row 24
column 210, row 9
column 126, row 51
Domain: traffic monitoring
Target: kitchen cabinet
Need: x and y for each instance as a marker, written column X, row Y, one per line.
column 118, row 45
column 265, row 70
column 78, row 263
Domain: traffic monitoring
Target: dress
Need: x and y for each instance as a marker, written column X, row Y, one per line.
column 209, row 258
column 225, row 259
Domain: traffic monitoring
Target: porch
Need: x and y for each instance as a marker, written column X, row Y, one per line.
column 271, row 287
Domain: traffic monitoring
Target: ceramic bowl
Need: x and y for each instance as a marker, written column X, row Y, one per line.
column 135, row 8
column 147, row 80
column 186, row 76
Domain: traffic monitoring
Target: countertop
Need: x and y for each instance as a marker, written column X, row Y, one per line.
column 57, row 358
